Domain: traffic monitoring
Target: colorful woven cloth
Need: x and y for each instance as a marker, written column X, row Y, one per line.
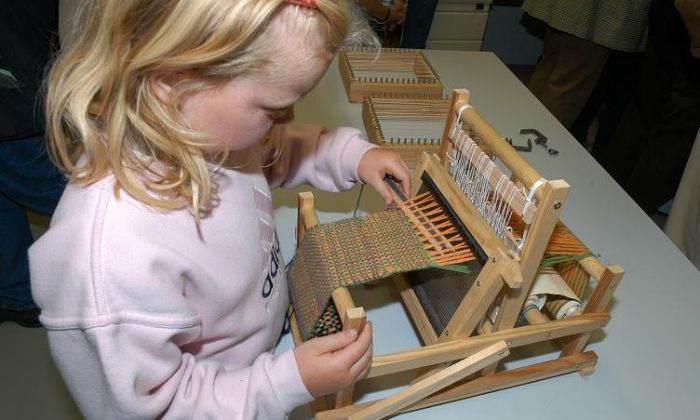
column 348, row 253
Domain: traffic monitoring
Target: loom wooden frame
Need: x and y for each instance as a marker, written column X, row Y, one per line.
column 571, row 335
column 375, row 110
column 351, row 61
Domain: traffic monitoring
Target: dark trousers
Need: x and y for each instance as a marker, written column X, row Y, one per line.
column 609, row 100
column 566, row 74
column 28, row 180
column 416, row 27
column 651, row 145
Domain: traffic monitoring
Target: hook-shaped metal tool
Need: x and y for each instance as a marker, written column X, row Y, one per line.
column 527, row 148
column 540, row 139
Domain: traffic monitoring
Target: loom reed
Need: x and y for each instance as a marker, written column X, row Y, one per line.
column 443, row 241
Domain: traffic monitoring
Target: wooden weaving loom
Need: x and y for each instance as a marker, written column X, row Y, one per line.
column 408, row 127
column 469, row 322
column 395, row 73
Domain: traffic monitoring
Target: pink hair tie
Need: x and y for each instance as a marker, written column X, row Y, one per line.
column 311, row 4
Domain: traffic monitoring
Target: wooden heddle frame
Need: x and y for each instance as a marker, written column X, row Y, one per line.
column 406, row 126
column 485, row 320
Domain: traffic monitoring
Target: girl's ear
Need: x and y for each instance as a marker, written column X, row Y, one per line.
column 161, row 84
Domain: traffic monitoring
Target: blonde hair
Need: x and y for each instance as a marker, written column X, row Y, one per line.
column 103, row 117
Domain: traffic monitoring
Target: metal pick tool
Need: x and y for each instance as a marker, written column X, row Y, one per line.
column 540, row 139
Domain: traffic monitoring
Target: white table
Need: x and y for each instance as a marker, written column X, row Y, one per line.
column 646, row 368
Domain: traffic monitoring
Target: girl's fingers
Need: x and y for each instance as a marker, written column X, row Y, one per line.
column 334, row 342
column 361, row 367
column 376, row 180
column 349, row 355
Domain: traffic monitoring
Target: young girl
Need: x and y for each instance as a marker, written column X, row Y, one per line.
column 159, row 280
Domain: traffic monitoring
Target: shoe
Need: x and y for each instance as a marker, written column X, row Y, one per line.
column 27, row 319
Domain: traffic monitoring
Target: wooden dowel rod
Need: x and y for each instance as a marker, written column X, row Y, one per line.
column 534, row 317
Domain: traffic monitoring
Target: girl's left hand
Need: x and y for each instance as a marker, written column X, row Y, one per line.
column 378, row 163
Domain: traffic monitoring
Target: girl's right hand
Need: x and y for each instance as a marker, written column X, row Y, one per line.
column 334, row 362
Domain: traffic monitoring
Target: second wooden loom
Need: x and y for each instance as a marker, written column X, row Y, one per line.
column 395, row 73
column 470, row 322
column 408, row 127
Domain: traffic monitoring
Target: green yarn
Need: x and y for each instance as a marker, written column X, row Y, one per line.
column 554, row 259
column 458, row 268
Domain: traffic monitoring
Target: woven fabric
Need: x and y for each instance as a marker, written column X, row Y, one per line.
column 348, row 253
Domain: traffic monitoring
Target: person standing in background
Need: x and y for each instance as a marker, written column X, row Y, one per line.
column 579, row 37
column 417, row 23
column 384, row 18
column 651, row 145
column 28, row 179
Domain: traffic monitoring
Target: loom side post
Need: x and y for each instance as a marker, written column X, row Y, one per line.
column 372, row 127
column 511, row 272
column 458, row 96
column 599, row 301
column 476, row 302
column 346, row 75
column 554, row 195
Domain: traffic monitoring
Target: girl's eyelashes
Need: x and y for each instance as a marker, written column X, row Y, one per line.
column 276, row 113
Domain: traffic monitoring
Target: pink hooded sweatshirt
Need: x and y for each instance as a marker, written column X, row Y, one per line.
column 150, row 316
